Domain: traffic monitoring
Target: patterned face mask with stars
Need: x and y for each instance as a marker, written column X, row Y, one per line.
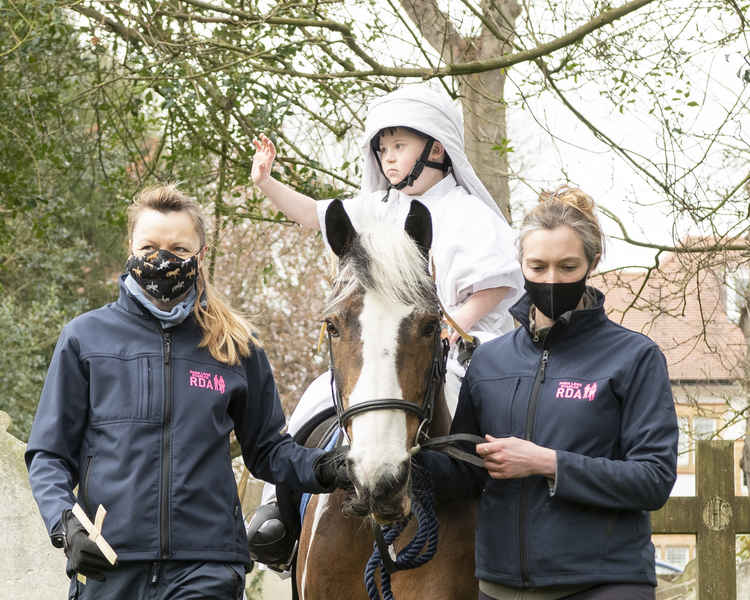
column 163, row 275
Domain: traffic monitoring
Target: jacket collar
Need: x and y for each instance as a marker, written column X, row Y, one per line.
column 441, row 189
column 129, row 303
column 572, row 321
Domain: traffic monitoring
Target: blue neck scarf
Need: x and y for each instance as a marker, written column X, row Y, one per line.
column 167, row 318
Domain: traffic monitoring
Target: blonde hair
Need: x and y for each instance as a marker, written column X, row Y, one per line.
column 566, row 206
column 226, row 333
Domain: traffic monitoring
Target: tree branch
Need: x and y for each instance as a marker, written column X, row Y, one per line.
column 126, row 33
column 743, row 246
column 434, row 25
column 377, row 69
column 728, row 197
column 249, row 19
column 598, row 133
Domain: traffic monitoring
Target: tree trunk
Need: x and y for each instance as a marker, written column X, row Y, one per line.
column 485, row 127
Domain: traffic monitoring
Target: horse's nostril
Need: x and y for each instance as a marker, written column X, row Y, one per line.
column 390, row 485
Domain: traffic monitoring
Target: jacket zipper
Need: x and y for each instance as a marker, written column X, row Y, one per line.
column 165, row 446
column 529, row 434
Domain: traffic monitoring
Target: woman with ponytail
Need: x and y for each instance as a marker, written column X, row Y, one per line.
column 580, row 429
column 136, row 411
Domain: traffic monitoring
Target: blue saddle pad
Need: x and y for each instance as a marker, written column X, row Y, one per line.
column 306, row 496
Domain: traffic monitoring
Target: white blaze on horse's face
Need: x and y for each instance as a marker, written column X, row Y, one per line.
column 378, row 436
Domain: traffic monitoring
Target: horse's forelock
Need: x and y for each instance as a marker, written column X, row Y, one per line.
column 385, row 260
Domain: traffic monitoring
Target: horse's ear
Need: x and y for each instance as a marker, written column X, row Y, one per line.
column 339, row 229
column 419, row 226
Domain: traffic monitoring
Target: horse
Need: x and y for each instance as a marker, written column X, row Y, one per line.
column 383, row 322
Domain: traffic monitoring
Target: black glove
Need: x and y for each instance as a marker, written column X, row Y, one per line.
column 84, row 556
column 466, row 349
column 331, row 469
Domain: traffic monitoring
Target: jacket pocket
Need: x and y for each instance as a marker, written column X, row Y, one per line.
column 120, row 388
column 125, row 479
column 497, row 539
column 84, row 487
column 239, row 524
column 497, row 403
column 146, row 386
column 553, row 552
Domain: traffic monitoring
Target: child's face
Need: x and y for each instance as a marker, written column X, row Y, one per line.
column 399, row 151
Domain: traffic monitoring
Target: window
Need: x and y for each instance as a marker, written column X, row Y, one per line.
column 677, row 555
column 703, row 428
column 683, row 445
column 737, row 286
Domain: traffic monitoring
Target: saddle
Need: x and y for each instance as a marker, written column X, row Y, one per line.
column 316, row 433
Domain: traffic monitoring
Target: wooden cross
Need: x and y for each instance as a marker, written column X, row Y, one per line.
column 95, row 534
column 715, row 515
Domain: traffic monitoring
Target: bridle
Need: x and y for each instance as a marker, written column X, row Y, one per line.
column 427, row 522
column 425, row 411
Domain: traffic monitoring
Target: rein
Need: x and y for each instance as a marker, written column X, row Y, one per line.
column 445, row 444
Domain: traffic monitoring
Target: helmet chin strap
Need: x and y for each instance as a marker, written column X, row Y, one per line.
column 417, row 169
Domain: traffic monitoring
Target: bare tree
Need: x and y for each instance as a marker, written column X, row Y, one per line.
column 278, row 276
column 482, row 93
column 315, row 62
column 219, row 72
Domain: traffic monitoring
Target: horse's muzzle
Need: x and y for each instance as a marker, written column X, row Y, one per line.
column 388, row 500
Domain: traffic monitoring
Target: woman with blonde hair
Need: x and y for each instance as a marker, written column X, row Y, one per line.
column 580, row 429
column 137, row 407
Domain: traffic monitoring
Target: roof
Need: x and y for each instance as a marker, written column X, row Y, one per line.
column 681, row 305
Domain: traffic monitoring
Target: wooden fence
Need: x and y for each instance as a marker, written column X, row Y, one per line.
column 715, row 515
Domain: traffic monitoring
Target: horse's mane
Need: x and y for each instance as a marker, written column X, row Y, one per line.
column 384, row 260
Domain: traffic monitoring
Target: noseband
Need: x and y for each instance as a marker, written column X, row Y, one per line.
column 425, row 412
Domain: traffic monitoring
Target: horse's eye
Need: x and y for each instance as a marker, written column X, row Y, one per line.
column 331, row 329
column 429, row 328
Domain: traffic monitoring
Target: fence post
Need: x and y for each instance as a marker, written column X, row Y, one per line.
column 715, row 515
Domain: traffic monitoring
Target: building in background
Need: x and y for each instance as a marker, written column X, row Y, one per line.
column 696, row 321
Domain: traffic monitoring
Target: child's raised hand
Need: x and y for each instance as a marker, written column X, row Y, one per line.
column 265, row 152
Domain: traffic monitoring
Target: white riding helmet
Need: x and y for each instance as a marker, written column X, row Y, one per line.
column 428, row 111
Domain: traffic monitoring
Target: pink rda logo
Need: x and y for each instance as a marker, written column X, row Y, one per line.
column 201, row 379
column 576, row 390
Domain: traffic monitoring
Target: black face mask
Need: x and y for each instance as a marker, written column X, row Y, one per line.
column 555, row 299
column 163, row 275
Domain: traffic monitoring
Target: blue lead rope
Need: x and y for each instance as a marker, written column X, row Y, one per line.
column 414, row 555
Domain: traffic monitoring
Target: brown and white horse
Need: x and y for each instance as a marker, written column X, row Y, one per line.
column 383, row 323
